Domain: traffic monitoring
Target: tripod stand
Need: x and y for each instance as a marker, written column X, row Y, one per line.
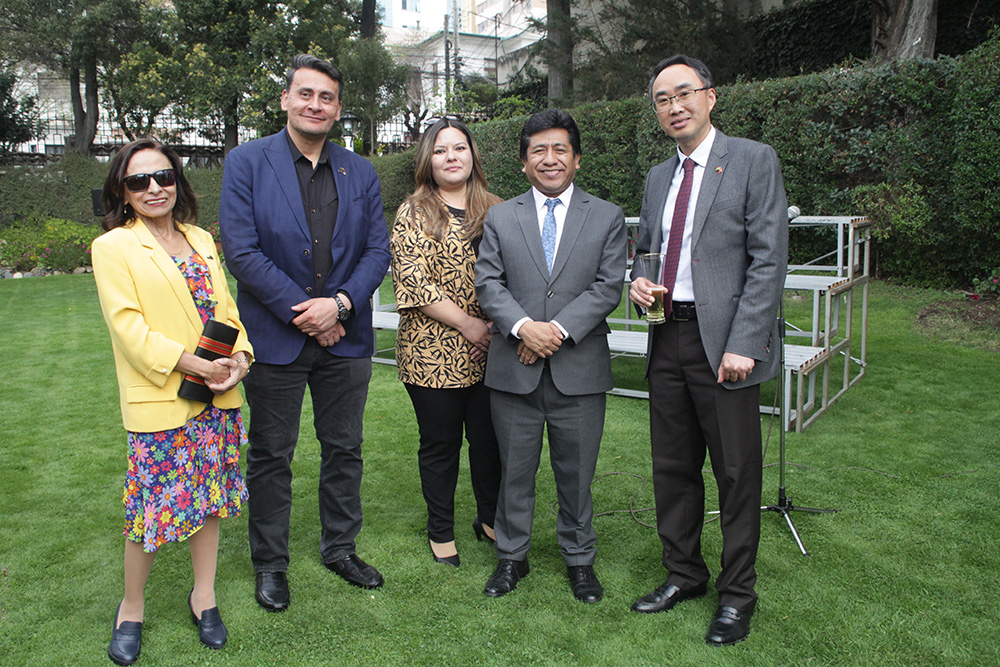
column 784, row 506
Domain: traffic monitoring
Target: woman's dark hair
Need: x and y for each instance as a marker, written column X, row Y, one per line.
column 119, row 211
column 550, row 119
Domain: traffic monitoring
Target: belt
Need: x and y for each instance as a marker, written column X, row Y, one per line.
column 683, row 311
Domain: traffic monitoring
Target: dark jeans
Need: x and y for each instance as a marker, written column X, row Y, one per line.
column 339, row 388
column 441, row 415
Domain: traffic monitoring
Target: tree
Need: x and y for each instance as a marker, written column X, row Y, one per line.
column 621, row 43
column 19, row 121
column 904, row 29
column 239, row 49
column 559, row 54
column 147, row 79
column 76, row 38
column 374, row 86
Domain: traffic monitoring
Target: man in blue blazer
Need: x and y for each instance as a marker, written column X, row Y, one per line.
column 304, row 235
column 717, row 208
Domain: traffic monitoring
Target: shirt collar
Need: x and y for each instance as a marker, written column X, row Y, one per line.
column 324, row 155
column 564, row 197
column 700, row 154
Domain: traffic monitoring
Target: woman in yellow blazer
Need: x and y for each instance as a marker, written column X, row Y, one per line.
column 159, row 280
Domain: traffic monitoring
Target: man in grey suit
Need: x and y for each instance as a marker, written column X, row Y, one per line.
column 717, row 210
column 550, row 271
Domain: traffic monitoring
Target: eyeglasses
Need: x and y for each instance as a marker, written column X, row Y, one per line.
column 139, row 182
column 664, row 103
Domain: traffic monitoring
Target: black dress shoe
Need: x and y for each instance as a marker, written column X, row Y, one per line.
column 272, row 591
column 211, row 630
column 586, row 587
column 729, row 626
column 356, row 572
column 506, row 576
column 477, row 528
column 454, row 560
column 664, row 597
column 126, row 641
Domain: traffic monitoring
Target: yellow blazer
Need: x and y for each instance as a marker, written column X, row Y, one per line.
column 152, row 319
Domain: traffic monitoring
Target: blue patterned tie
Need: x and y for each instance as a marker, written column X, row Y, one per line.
column 549, row 233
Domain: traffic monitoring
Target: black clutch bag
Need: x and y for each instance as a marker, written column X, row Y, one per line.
column 216, row 341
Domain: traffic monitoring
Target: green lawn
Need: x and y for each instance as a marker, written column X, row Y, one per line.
column 906, row 573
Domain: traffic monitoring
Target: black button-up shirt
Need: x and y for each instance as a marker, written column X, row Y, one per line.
column 319, row 198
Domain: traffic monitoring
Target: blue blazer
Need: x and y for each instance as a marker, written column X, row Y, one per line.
column 265, row 237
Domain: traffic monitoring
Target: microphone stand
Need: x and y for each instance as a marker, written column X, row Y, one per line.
column 784, row 507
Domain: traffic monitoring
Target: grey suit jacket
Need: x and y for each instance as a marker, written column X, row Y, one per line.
column 585, row 287
column 739, row 251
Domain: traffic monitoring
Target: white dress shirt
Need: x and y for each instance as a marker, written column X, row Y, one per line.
column 560, row 214
column 683, row 285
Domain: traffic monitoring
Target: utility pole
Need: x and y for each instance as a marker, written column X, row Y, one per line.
column 447, row 65
column 458, row 20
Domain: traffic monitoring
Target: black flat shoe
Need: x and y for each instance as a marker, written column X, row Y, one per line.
column 126, row 641
column 729, row 626
column 356, row 572
column 506, row 576
column 211, row 630
column 586, row 586
column 272, row 591
column 665, row 597
column 477, row 527
column 454, row 561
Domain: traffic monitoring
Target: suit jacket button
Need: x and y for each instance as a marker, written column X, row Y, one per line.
column 550, row 294
column 309, row 290
column 305, row 252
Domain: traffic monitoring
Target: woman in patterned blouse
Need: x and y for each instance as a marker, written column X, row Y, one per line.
column 443, row 334
column 159, row 280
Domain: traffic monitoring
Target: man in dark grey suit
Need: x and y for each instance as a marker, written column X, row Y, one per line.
column 550, row 271
column 718, row 209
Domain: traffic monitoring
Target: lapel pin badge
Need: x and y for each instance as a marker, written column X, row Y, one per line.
column 342, row 170
column 718, row 170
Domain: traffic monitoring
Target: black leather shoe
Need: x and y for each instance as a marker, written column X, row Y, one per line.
column 664, row 597
column 272, row 591
column 126, row 641
column 586, row 587
column 506, row 576
column 477, row 528
column 211, row 630
column 729, row 626
column 356, row 572
column 454, row 560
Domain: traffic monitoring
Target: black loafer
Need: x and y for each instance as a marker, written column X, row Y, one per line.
column 272, row 591
column 126, row 641
column 586, row 586
column 211, row 630
column 664, row 597
column 729, row 626
column 356, row 572
column 506, row 576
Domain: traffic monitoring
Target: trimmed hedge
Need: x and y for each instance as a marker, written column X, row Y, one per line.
column 911, row 144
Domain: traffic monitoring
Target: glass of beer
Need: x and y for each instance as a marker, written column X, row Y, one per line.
column 652, row 267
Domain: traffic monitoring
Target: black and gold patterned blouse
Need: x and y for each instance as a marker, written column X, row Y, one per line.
column 426, row 271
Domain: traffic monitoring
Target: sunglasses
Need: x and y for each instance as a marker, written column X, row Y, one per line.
column 139, row 182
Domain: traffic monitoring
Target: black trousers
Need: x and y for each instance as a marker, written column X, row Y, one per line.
column 339, row 389
column 689, row 413
column 442, row 414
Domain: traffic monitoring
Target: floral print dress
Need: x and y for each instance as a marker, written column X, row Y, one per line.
column 177, row 478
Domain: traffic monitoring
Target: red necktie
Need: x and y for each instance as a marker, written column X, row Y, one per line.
column 673, row 253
